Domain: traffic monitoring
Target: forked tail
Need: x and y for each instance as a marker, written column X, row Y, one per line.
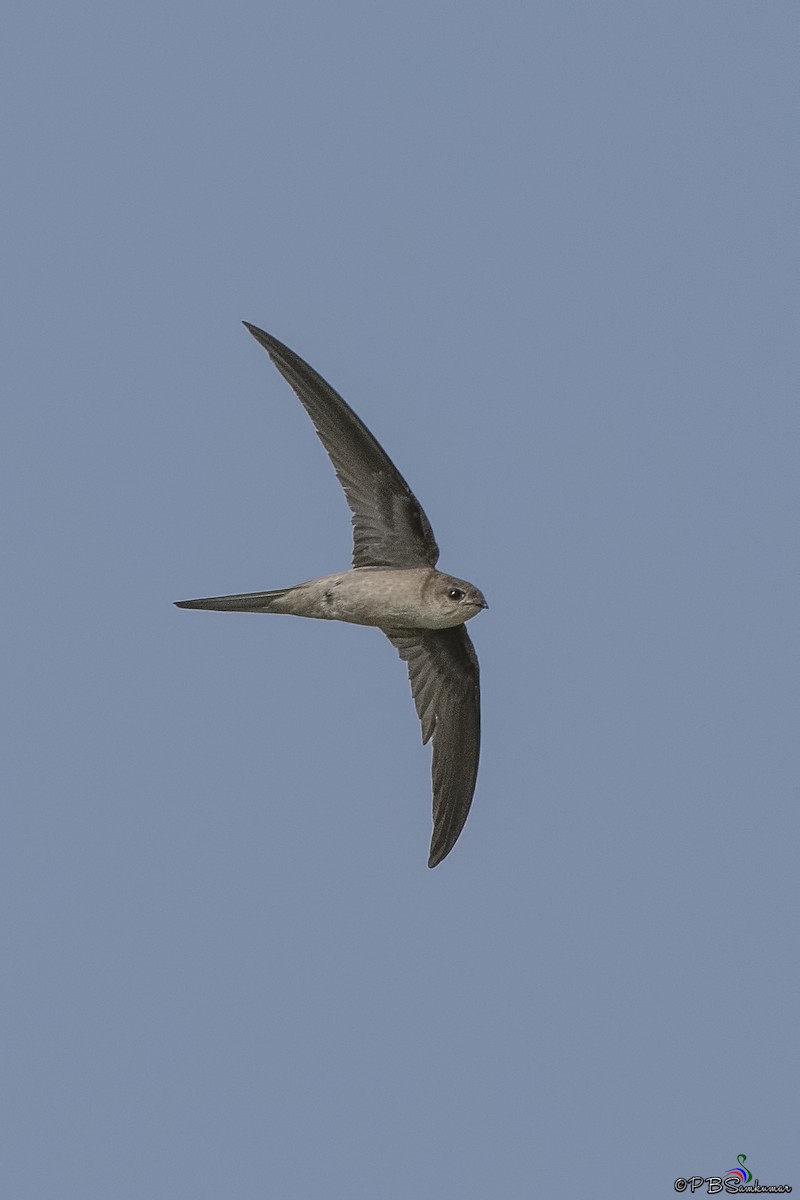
column 248, row 602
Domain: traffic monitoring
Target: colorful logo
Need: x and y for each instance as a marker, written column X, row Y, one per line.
column 734, row 1182
column 741, row 1172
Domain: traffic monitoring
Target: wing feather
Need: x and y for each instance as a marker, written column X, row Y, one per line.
column 445, row 683
column 390, row 528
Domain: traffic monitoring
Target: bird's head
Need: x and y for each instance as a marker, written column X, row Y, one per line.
column 454, row 601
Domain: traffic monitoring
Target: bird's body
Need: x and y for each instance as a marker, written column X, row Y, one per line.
column 390, row 598
column 394, row 586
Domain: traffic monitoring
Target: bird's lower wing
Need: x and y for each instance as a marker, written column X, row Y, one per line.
column 445, row 683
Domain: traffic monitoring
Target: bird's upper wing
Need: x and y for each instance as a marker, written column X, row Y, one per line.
column 443, row 669
column 389, row 527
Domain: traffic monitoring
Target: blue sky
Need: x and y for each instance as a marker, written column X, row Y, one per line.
column 549, row 254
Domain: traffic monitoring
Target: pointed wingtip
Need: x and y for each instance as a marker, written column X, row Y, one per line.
column 437, row 856
column 272, row 346
column 258, row 334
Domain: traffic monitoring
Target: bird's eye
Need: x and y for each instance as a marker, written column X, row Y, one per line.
column 455, row 594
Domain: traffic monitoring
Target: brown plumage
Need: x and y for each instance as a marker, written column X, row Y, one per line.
column 393, row 585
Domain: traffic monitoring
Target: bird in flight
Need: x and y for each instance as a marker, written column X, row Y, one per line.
column 393, row 585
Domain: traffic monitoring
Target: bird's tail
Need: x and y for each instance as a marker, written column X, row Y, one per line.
column 249, row 602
